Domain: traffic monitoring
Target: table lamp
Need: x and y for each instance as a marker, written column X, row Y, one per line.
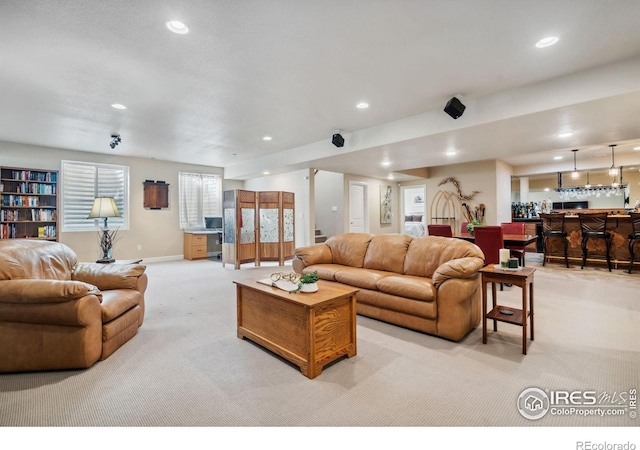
column 103, row 208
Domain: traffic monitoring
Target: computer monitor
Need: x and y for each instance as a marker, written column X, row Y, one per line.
column 213, row 222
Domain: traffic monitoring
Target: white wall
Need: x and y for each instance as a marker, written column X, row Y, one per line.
column 503, row 192
column 329, row 194
column 373, row 204
column 156, row 231
column 477, row 176
column 300, row 182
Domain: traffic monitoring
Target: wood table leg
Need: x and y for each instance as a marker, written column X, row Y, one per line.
column 524, row 319
column 531, row 307
column 484, row 312
column 494, row 299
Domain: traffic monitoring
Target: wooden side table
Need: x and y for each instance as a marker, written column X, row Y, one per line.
column 522, row 278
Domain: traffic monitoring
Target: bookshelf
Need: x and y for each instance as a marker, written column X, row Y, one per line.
column 28, row 203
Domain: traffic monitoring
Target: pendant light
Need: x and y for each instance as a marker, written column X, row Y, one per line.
column 588, row 185
column 575, row 174
column 613, row 171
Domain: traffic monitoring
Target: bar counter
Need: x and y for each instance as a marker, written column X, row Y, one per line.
column 619, row 225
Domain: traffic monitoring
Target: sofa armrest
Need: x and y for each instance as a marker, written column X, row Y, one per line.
column 109, row 276
column 45, row 291
column 457, row 268
column 314, row 254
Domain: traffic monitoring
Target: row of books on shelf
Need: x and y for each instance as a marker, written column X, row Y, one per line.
column 20, row 200
column 36, row 215
column 31, row 188
column 9, row 231
column 29, row 175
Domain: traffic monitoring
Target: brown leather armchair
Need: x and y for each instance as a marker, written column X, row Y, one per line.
column 56, row 313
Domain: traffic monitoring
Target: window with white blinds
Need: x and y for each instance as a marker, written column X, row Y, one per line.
column 200, row 196
column 82, row 182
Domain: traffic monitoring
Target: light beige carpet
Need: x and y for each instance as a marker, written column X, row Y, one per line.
column 186, row 367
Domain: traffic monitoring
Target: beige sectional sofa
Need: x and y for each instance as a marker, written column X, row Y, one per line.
column 429, row 283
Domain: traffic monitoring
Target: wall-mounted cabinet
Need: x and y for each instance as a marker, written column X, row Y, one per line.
column 156, row 195
column 29, row 203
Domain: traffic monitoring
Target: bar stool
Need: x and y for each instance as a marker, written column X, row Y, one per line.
column 553, row 227
column 594, row 226
column 634, row 236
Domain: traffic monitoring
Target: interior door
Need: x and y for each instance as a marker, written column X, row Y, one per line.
column 356, row 208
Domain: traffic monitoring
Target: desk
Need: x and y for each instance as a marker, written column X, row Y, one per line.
column 509, row 239
column 522, row 278
column 195, row 242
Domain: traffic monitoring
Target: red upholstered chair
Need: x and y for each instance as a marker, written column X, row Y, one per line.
column 439, row 230
column 515, row 228
column 489, row 239
column 463, row 227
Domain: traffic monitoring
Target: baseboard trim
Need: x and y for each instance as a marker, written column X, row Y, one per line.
column 162, row 259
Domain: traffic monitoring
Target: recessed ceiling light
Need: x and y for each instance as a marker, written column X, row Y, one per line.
column 385, row 163
column 565, row 134
column 390, row 177
column 451, row 153
column 546, row 42
column 266, row 138
column 118, row 106
column 266, row 172
column 636, row 148
column 362, row 105
column 177, row 27
column 547, row 189
column 557, row 158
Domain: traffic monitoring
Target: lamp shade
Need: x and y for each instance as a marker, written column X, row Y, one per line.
column 104, row 207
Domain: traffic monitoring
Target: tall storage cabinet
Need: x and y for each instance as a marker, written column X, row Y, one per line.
column 29, row 203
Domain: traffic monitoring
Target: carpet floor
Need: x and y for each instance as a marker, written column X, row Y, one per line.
column 187, row 368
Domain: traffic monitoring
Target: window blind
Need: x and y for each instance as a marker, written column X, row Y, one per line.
column 81, row 183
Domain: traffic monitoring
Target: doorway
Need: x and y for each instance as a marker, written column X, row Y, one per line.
column 358, row 211
column 414, row 210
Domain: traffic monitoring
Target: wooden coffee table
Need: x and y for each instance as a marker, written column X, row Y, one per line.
column 309, row 330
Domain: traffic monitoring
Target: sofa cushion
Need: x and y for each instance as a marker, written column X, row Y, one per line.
column 387, row 252
column 427, row 253
column 418, row 288
column 389, row 302
column 30, row 258
column 349, row 249
column 362, row 278
column 325, row 271
column 116, row 301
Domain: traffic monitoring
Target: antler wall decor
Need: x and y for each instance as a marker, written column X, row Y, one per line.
column 456, row 183
column 470, row 214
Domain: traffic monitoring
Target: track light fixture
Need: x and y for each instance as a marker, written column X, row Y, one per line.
column 115, row 140
column 337, row 139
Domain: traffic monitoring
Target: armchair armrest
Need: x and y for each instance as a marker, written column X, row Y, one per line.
column 109, row 276
column 457, row 268
column 45, row 291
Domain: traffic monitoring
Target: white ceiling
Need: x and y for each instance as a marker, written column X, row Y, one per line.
column 295, row 69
